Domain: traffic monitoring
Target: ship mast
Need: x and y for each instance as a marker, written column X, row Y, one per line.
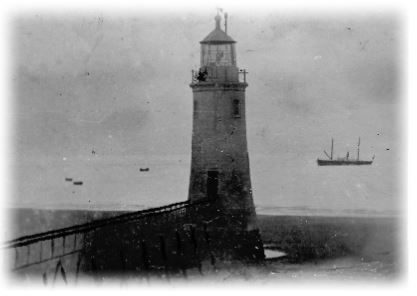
column 331, row 151
column 359, row 143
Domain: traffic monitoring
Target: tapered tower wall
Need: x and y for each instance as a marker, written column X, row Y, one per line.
column 219, row 145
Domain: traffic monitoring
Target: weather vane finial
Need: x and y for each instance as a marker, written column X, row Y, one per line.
column 218, row 17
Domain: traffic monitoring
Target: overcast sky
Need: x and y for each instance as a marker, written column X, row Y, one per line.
column 119, row 84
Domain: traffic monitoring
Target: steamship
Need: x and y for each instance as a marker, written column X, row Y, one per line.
column 343, row 160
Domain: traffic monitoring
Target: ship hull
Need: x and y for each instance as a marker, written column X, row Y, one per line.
column 322, row 162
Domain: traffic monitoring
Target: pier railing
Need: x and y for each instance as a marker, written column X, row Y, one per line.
column 49, row 254
column 86, row 227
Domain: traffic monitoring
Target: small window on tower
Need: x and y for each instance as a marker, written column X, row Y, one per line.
column 212, row 184
column 236, row 108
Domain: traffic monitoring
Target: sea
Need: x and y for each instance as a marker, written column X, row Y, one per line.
column 289, row 184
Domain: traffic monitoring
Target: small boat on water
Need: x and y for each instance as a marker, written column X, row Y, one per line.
column 343, row 160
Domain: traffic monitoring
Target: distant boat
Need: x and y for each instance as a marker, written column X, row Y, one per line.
column 144, row 169
column 77, row 183
column 68, row 179
column 343, row 160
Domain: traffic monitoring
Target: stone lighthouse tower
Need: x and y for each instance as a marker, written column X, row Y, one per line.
column 220, row 162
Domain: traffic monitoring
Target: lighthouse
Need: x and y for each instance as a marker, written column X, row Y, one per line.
column 220, row 161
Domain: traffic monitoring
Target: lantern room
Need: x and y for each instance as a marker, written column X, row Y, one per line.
column 218, row 49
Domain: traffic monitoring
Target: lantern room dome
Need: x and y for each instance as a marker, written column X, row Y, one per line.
column 217, row 36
